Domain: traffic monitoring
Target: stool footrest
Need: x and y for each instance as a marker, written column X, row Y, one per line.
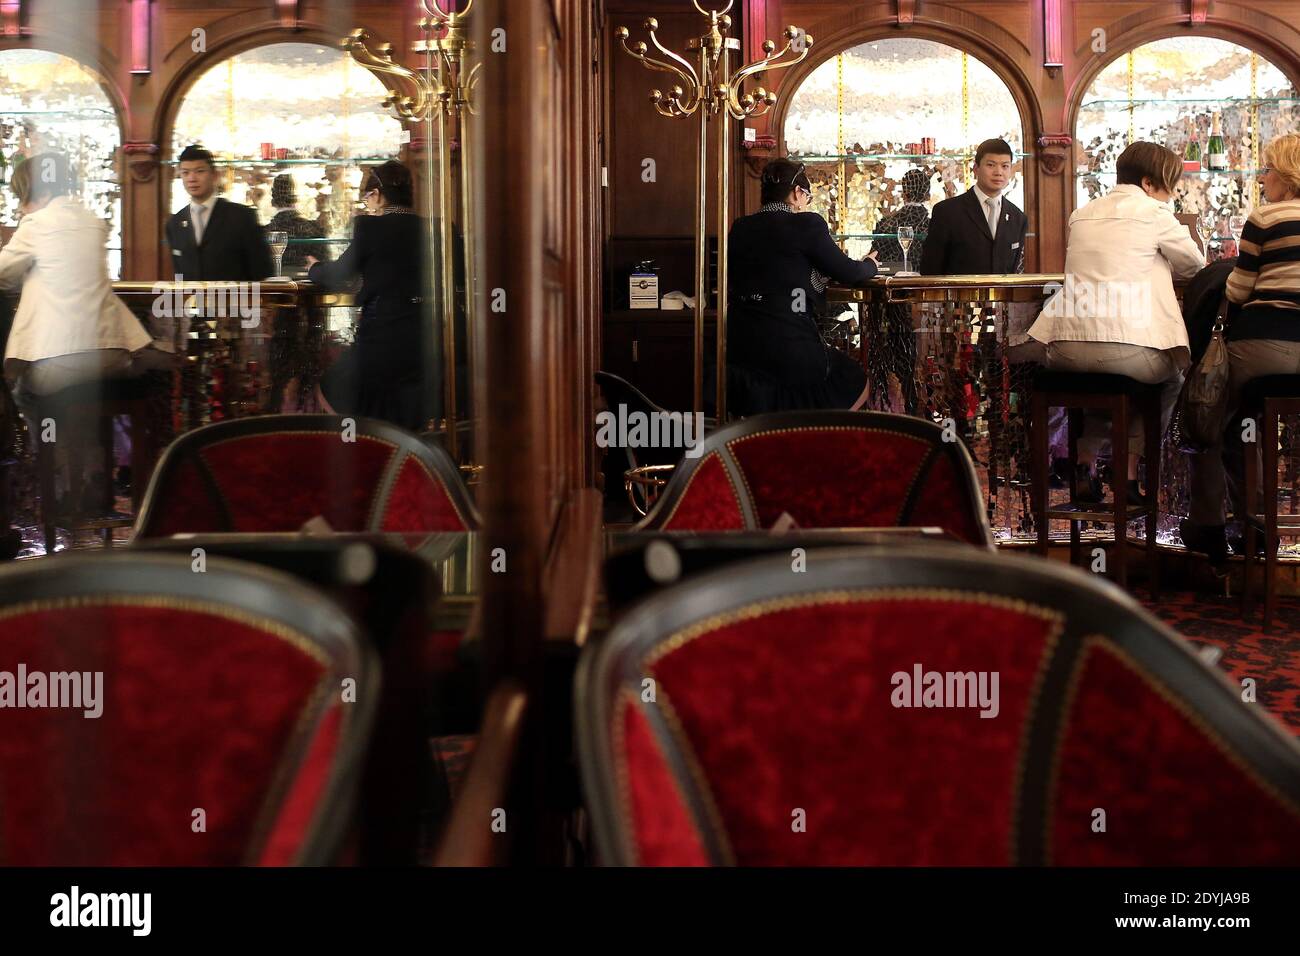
column 93, row 522
column 1285, row 524
column 1090, row 512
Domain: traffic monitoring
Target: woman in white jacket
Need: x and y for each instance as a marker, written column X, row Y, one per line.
column 69, row 328
column 1117, row 313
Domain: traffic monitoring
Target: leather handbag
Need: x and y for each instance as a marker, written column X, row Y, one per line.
column 1203, row 402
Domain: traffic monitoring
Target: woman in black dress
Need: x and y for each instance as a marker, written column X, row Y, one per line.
column 386, row 373
column 780, row 260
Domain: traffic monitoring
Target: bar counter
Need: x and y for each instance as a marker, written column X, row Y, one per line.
column 1021, row 287
column 241, row 344
column 282, row 291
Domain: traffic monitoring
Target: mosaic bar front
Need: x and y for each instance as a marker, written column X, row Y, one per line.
column 954, row 349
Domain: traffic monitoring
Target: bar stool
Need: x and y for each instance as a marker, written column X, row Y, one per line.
column 1275, row 395
column 1121, row 397
column 101, row 401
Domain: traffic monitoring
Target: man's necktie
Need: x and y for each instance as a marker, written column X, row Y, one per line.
column 200, row 222
column 992, row 215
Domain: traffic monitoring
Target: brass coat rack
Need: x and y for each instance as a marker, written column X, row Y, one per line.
column 438, row 94
column 710, row 90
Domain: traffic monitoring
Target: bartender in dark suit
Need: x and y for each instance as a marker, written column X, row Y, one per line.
column 212, row 239
column 980, row 232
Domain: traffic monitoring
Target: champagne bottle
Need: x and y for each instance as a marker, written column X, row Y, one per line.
column 4, row 168
column 1192, row 154
column 1218, row 152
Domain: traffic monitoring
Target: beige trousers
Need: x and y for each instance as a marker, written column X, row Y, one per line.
column 1138, row 362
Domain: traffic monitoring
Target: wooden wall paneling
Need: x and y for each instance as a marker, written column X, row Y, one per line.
column 515, row 488
column 664, row 207
column 536, row 368
column 514, row 492
column 590, row 229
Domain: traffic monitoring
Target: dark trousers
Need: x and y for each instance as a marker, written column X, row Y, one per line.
column 1217, row 474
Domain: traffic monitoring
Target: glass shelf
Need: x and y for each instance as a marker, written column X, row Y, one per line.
column 325, row 161
column 871, row 235
column 1201, row 173
column 84, row 111
column 880, row 157
column 1231, row 101
column 312, row 242
column 886, row 235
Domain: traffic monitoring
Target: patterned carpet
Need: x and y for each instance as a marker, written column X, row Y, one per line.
column 1273, row 660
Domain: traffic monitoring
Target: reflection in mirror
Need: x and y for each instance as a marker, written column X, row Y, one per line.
column 434, row 99
column 1188, row 93
column 292, row 127
column 879, row 111
column 50, row 103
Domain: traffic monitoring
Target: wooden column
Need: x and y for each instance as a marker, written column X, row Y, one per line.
column 512, row 439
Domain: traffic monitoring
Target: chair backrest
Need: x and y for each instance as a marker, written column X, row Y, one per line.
column 922, row 706
column 618, row 390
column 176, row 715
column 389, row 591
column 826, row 469
column 624, row 402
column 276, row 472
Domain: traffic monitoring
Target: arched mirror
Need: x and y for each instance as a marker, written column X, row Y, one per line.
column 297, row 110
column 51, row 102
column 868, row 115
column 297, row 129
column 1214, row 102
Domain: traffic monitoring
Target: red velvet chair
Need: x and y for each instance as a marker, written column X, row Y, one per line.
column 777, row 733
column 276, row 472
column 827, row 469
column 222, row 692
column 429, row 690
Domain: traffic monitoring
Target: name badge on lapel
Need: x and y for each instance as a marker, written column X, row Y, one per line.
column 1015, row 245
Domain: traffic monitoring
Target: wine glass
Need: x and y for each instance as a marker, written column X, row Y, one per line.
column 905, row 236
column 279, row 241
column 1236, row 225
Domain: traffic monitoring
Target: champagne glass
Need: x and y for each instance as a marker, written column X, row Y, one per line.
column 905, row 236
column 1236, row 225
column 279, row 241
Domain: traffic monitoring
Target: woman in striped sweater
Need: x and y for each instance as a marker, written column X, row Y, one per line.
column 1264, row 336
